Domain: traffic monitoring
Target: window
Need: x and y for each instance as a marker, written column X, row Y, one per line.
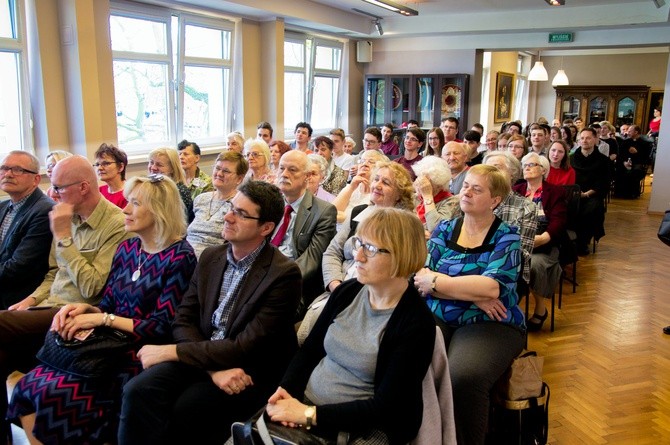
column 171, row 78
column 312, row 69
column 15, row 133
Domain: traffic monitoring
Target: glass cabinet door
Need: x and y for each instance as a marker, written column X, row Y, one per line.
column 625, row 111
column 400, row 107
column 597, row 110
column 424, row 97
column 375, row 102
column 453, row 96
column 570, row 109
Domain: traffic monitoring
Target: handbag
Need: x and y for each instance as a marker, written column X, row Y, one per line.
column 520, row 422
column 257, row 431
column 664, row 229
column 523, row 379
column 94, row 357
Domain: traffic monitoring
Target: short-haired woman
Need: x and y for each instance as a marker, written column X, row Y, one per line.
column 257, row 153
column 110, row 165
column 360, row 369
column 432, row 189
column 149, row 275
column 196, row 180
column 470, row 286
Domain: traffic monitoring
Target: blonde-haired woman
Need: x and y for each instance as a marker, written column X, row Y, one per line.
column 53, row 158
column 360, row 369
column 257, row 153
column 165, row 161
column 149, row 275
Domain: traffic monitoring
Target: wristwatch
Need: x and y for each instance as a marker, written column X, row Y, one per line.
column 309, row 415
column 65, row 242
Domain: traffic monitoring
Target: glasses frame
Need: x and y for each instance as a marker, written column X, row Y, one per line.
column 59, row 188
column 104, row 164
column 18, row 171
column 369, row 250
column 237, row 213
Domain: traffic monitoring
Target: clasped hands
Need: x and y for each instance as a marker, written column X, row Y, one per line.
column 287, row 410
column 75, row 317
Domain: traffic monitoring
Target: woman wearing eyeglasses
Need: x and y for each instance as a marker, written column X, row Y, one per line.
column 360, row 369
column 258, row 155
column 110, row 165
column 435, row 142
column 545, row 270
column 149, row 275
column 470, row 286
column 210, row 208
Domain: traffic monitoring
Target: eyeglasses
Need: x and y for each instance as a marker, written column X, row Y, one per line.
column 367, row 161
column 223, row 171
column 239, row 213
column 369, row 141
column 15, row 170
column 368, row 249
column 411, row 139
column 435, row 138
column 103, row 164
column 531, row 165
column 515, row 146
column 252, row 154
column 59, row 188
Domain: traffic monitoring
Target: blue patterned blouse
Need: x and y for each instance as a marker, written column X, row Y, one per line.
column 499, row 257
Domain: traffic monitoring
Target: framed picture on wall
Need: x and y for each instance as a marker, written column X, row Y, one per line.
column 504, row 97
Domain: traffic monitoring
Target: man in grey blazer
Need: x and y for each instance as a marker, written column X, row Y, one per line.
column 233, row 331
column 25, row 237
column 307, row 226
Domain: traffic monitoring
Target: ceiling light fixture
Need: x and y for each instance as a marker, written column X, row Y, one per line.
column 560, row 78
column 555, row 2
column 539, row 72
column 394, row 7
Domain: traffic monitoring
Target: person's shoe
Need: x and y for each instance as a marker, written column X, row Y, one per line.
column 666, row 330
column 534, row 323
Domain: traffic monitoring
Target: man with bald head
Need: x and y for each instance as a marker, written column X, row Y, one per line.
column 87, row 230
column 307, row 226
column 25, row 237
column 457, row 155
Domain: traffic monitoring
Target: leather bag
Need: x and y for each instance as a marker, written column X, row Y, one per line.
column 664, row 229
column 94, row 357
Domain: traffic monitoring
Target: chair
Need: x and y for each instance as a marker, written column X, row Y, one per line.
column 568, row 248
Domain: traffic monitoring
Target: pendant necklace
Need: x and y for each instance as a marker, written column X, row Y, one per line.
column 223, row 203
column 136, row 275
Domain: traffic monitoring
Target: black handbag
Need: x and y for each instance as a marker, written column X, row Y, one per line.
column 256, row 431
column 94, row 357
column 520, row 422
column 664, row 229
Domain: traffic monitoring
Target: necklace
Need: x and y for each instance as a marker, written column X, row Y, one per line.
column 136, row 275
column 223, row 203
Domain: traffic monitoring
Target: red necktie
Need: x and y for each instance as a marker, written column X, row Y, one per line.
column 279, row 236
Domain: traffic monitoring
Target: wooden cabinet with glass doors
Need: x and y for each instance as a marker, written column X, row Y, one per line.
column 425, row 98
column 618, row 104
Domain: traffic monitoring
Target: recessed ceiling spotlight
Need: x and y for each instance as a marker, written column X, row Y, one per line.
column 555, row 2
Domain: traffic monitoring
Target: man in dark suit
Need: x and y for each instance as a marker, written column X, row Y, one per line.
column 25, row 237
column 631, row 164
column 307, row 226
column 233, row 330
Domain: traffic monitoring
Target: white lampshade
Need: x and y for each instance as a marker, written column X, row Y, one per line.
column 539, row 72
column 560, row 79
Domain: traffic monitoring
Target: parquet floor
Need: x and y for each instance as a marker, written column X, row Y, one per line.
column 608, row 361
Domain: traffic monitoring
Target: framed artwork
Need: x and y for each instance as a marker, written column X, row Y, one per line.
column 504, row 97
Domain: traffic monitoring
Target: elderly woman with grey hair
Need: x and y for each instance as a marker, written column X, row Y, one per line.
column 432, row 190
column 515, row 210
column 257, row 154
column 545, row 270
column 235, row 141
column 318, row 167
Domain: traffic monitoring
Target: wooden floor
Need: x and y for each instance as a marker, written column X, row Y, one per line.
column 608, row 361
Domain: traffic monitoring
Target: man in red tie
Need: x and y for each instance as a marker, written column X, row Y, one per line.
column 308, row 224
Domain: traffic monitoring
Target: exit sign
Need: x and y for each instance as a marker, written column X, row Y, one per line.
column 560, row 37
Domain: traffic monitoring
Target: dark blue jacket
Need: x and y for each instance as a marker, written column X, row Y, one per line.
column 24, row 253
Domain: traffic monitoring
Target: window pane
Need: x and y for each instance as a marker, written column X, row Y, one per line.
column 294, row 99
column 7, row 19
column 294, row 54
column 204, row 42
column 205, row 102
column 141, row 91
column 135, row 35
column 10, row 111
column 324, row 102
column 327, row 58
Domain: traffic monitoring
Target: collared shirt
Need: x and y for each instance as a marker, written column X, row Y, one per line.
column 521, row 213
column 11, row 214
column 78, row 273
column 233, row 277
column 286, row 247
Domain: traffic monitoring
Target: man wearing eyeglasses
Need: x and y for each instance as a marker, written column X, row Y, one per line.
column 87, row 230
column 234, row 334
column 24, row 228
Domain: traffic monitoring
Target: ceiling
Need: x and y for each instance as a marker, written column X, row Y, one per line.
column 448, row 18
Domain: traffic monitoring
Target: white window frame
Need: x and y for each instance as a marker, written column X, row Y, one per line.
column 18, row 46
column 176, row 68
